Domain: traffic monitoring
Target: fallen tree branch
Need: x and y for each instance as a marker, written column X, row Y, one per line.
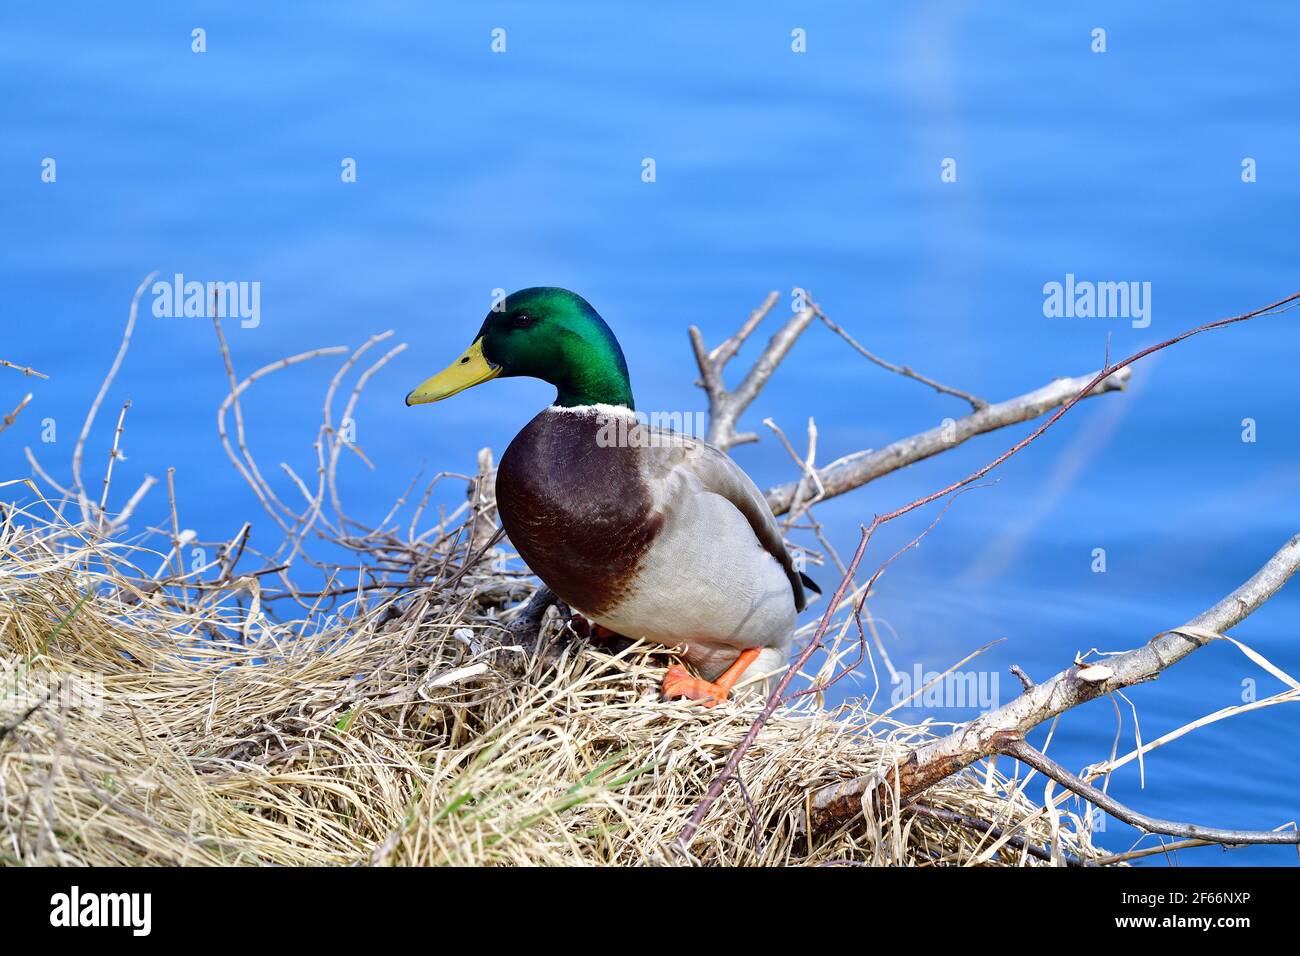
column 777, row 696
column 991, row 733
column 856, row 470
column 1045, row 765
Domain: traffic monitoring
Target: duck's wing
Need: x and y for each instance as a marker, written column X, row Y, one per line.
column 672, row 455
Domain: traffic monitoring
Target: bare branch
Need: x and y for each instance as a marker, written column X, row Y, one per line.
column 1161, row 850
column 23, row 369
column 728, row 349
column 778, row 694
column 13, row 416
column 1021, row 676
column 246, row 468
column 725, row 407
column 79, row 449
column 991, row 732
column 856, row 470
column 120, row 519
column 176, row 522
column 975, row 402
column 859, row 468
column 1048, row 767
column 335, row 443
column 807, row 465
column 114, row 453
column 45, row 476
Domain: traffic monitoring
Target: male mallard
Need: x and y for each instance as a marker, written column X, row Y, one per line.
column 648, row 533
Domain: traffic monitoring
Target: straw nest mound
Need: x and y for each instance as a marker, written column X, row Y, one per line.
column 151, row 716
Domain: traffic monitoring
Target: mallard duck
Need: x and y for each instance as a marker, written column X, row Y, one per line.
column 648, row 533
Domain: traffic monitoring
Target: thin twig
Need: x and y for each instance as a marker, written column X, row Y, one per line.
column 976, row 403
column 247, row 467
column 327, row 410
column 13, row 416
column 79, row 449
column 120, row 519
column 113, row 454
column 1045, row 765
column 24, row 369
column 1153, row 851
column 1021, row 676
column 349, row 411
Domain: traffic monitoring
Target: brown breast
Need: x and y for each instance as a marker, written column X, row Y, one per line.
column 579, row 514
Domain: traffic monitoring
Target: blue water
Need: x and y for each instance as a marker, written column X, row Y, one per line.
column 478, row 171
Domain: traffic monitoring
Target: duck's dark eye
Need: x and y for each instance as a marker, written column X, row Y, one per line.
column 522, row 320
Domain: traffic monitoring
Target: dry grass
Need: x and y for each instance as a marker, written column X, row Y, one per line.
column 160, row 707
column 177, row 722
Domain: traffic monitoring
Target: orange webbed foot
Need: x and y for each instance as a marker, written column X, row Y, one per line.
column 678, row 682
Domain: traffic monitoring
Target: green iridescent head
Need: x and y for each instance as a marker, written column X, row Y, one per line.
column 547, row 333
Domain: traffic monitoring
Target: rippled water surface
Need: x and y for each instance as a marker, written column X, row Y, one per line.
column 773, row 170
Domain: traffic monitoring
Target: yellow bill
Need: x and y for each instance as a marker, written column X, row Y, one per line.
column 468, row 370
